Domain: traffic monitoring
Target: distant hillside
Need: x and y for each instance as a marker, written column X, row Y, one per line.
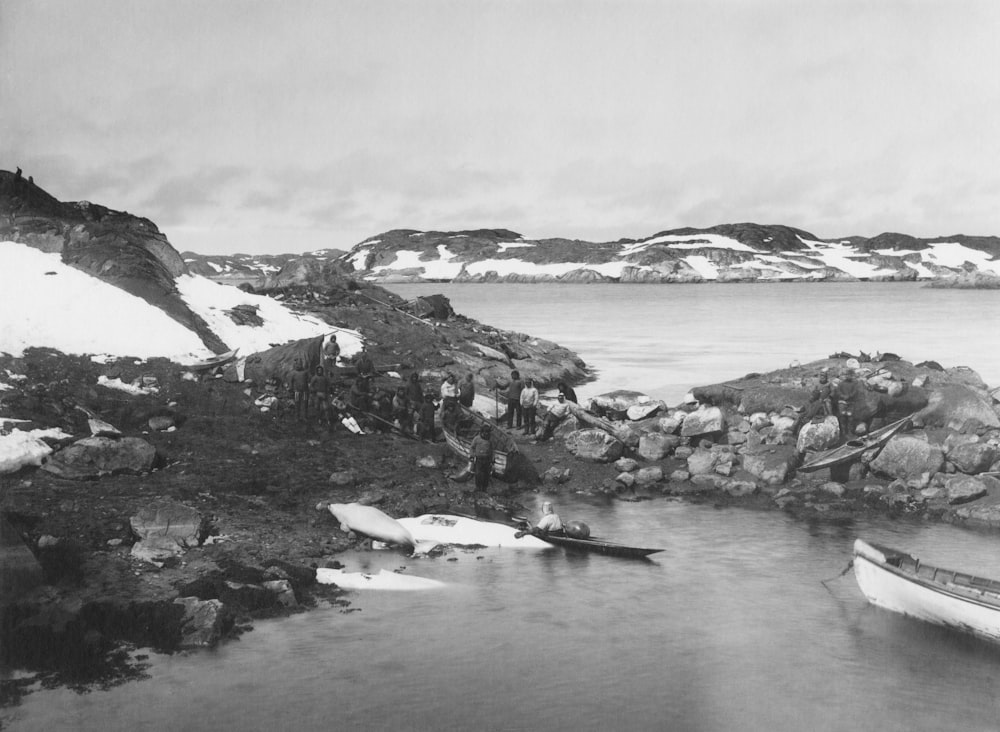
column 727, row 253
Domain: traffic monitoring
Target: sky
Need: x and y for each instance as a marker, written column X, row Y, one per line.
column 264, row 127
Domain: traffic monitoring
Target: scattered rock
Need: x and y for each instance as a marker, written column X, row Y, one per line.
column 594, row 444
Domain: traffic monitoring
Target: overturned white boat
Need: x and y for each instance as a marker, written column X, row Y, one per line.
column 899, row 582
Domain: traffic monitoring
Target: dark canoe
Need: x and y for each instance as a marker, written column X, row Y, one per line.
column 852, row 449
column 591, row 544
column 460, row 440
column 596, row 546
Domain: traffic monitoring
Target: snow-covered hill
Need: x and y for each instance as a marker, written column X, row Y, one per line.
column 47, row 303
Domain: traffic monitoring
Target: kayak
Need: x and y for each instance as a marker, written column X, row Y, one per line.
column 211, row 363
column 853, row 449
column 595, row 545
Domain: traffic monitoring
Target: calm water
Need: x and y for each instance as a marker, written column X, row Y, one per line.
column 730, row 629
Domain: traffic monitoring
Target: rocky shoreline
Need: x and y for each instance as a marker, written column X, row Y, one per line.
column 232, row 490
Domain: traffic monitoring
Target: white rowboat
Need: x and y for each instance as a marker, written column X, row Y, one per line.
column 902, row 583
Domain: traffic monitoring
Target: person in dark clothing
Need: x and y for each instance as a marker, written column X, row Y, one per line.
column 298, row 385
column 467, row 391
column 849, row 394
column 319, row 395
column 567, row 391
column 450, row 416
column 481, row 455
column 402, row 414
column 425, row 423
column 360, row 398
column 364, row 364
column 331, row 352
column 514, row 410
column 415, row 390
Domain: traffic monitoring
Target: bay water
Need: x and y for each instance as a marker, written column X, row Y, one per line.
column 729, row 628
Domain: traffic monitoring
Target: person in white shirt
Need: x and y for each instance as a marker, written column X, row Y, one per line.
column 557, row 413
column 529, row 404
column 550, row 520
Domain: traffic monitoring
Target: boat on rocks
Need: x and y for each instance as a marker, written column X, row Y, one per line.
column 459, row 440
column 897, row 581
column 853, row 449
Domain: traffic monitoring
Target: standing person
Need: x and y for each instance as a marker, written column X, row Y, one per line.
column 415, row 390
column 298, row 384
column 425, row 422
column 514, row 400
column 319, row 391
column 567, row 391
column 481, row 454
column 556, row 414
column 849, row 394
column 467, row 391
column 402, row 414
column 331, row 352
column 529, row 403
column 449, row 393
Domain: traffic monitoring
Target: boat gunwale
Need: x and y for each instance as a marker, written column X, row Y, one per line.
column 964, row 593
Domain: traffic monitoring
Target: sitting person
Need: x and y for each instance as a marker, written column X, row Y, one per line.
column 549, row 522
column 556, row 414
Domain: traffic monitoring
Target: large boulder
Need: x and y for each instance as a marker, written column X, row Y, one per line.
column 649, row 476
column 770, row 463
column 973, row 457
column 910, row 458
column 957, row 407
column 594, row 444
column 164, row 529
column 964, row 488
column 93, row 457
column 20, row 571
column 656, row 445
column 615, row 404
column 986, row 510
column 819, row 435
column 204, row 622
column 704, row 420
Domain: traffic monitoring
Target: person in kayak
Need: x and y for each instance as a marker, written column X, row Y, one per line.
column 549, row 522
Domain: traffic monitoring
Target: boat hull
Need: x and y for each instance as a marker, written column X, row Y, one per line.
column 598, row 546
column 943, row 597
column 503, row 444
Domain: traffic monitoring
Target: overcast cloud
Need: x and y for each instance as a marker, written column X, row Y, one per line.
column 263, row 126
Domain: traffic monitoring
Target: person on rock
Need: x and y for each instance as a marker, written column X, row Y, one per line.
column 529, row 405
column 849, row 394
column 820, row 401
column 298, row 385
column 567, row 391
column 481, row 456
column 514, row 412
column 467, row 391
column 360, row 398
column 556, row 414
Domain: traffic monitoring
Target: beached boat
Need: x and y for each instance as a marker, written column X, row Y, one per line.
column 211, row 363
column 853, row 449
column 899, row 582
column 460, row 440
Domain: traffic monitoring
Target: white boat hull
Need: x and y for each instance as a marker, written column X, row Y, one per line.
column 961, row 607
